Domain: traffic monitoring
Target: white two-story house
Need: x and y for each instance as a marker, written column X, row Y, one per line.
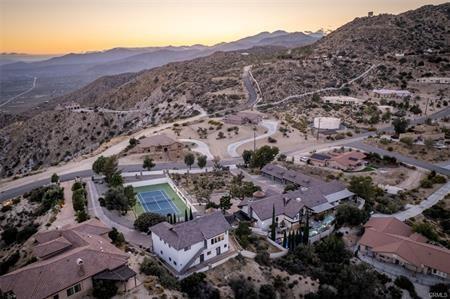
column 187, row 244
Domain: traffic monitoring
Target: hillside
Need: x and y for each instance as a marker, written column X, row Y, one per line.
column 214, row 82
column 418, row 37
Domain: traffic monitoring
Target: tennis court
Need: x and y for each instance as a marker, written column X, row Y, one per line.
column 160, row 199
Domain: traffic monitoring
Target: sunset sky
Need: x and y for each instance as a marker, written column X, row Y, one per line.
column 61, row 26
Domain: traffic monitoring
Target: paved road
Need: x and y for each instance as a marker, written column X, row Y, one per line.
column 16, row 191
column 271, row 127
column 426, row 165
column 247, row 78
column 297, row 96
column 20, row 94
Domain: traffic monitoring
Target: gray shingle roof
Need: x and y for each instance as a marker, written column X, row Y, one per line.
column 291, row 175
column 185, row 234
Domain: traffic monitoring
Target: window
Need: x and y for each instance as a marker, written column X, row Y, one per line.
column 56, row 296
column 175, row 263
column 209, row 252
column 170, row 259
column 73, row 289
column 225, row 246
column 162, row 252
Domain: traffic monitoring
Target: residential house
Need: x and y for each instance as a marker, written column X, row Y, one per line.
column 391, row 93
column 348, row 161
column 434, row 80
column 69, row 260
column 389, row 240
column 68, row 106
column 159, row 147
column 342, row 100
column 188, row 244
column 286, row 176
column 243, row 118
column 316, row 198
column 317, row 159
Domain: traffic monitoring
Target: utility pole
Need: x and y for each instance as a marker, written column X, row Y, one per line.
column 318, row 129
column 426, row 107
column 254, row 138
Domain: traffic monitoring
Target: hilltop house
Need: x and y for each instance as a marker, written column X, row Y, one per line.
column 68, row 106
column 188, row 244
column 315, row 197
column 342, row 100
column 391, row 93
column 389, row 240
column 243, row 118
column 69, row 260
column 159, row 147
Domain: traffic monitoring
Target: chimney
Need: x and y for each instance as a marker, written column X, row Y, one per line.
column 80, row 264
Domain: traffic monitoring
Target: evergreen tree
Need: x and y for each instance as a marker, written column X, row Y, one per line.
column 306, row 230
column 284, row 239
column 185, row 215
column 169, row 216
column 191, row 216
column 174, row 217
column 273, row 226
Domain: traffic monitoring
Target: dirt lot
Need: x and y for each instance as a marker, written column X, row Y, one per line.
column 295, row 286
column 416, row 151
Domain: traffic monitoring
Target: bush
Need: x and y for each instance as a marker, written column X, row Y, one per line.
column 404, row 283
column 267, row 291
column 426, row 230
column 196, row 287
column 9, row 235
column 26, row 232
column 104, row 288
column 147, row 220
column 9, row 262
column 243, row 289
column 116, row 237
column 149, row 267
column 347, row 214
column 440, row 288
column 76, row 186
column 262, row 257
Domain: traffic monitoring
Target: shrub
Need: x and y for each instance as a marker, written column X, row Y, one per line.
column 116, row 237
column 426, row 230
column 104, row 288
column 404, row 283
column 9, row 262
column 26, row 232
column 146, row 220
column 149, row 267
column 263, row 258
column 9, row 235
column 267, row 291
column 440, row 288
column 243, row 289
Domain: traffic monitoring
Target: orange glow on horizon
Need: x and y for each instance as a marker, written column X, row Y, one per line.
column 63, row 26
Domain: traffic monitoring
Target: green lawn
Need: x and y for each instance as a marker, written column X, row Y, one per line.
column 168, row 190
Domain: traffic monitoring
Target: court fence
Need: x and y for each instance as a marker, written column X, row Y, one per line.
column 184, row 197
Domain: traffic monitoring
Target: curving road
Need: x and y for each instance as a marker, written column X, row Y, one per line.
column 201, row 147
column 297, row 96
column 20, row 94
column 271, row 127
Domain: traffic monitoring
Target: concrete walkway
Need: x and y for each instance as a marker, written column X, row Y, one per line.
column 270, row 125
column 132, row 236
column 414, row 210
column 66, row 215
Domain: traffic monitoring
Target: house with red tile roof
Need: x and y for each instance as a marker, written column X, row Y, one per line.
column 347, row 161
column 389, row 240
column 69, row 260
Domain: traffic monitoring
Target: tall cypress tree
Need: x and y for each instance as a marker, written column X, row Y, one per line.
column 191, row 216
column 185, row 215
column 169, row 216
column 273, row 226
column 284, row 239
column 174, row 218
column 291, row 241
column 306, row 230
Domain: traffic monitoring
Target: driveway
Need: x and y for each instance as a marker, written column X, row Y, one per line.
column 270, row 125
column 414, row 210
column 201, row 147
column 132, row 236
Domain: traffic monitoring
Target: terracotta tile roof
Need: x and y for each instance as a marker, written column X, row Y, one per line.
column 47, row 277
column 188, row 233
column 347, row 159
column 389, row 235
